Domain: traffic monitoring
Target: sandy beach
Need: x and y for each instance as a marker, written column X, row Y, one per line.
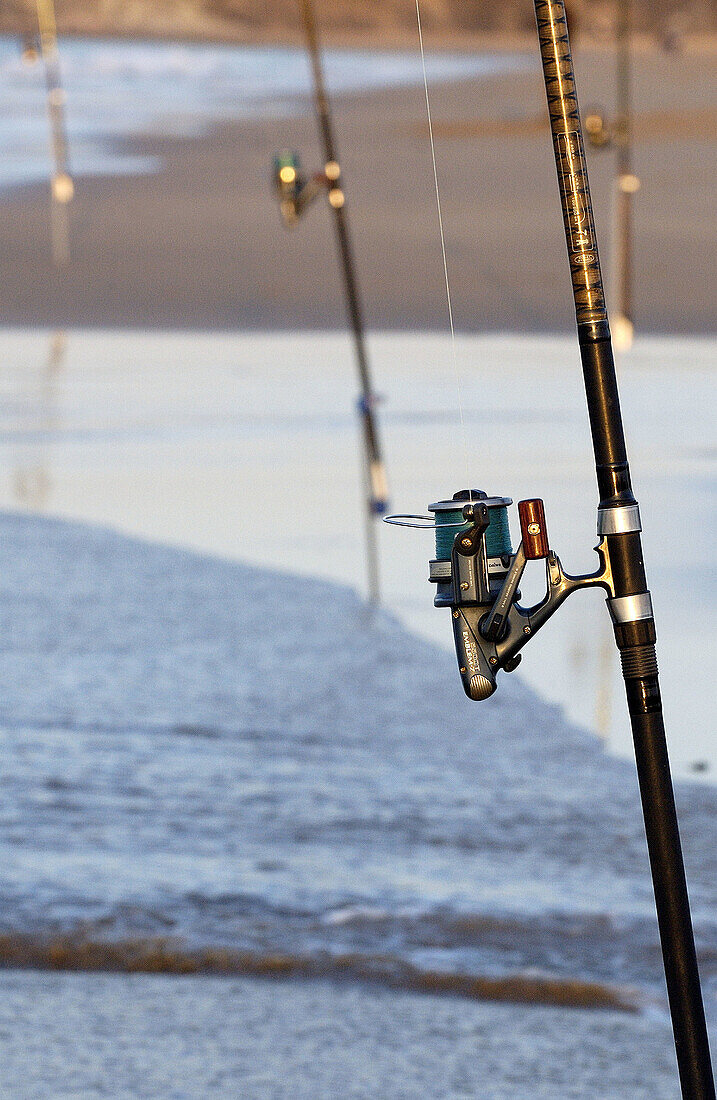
column 199, row 244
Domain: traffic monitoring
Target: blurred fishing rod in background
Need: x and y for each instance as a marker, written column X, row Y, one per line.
column 32, row 478
column 62, row 187
column 295, row 195
column 602, row 133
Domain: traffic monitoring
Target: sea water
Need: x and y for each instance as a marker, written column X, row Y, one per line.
column 216, row 767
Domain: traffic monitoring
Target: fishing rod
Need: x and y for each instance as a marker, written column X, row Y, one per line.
column 601, row 134
column 296, row 194
column 477, row 574
column 32, row 478
column 62, row 186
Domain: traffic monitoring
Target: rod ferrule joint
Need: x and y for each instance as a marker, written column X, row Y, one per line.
column 593, row 332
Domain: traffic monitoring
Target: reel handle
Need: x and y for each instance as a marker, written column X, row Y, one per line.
column 473, row 664
column 496, row 620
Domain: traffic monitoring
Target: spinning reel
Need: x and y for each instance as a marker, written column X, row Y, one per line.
column 599, row 129
column 477, row 575
column 296, row 193
column 604, row 133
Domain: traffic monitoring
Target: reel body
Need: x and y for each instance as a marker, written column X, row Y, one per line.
column 296, row 192
column 288, row 185
column 477, row 575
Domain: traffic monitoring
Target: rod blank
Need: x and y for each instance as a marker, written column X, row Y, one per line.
column 635, row 637
column 374, row 469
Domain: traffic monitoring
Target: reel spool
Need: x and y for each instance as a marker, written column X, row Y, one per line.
column 288, row 184
column 598, row 130
column 450, row 521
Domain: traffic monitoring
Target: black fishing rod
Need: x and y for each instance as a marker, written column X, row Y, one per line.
column 477, row 574
column 295, row 195
column 629, row 601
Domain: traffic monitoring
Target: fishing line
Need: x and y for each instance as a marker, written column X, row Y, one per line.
column 454, row 357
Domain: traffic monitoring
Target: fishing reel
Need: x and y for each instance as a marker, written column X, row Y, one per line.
column 296, row 193
column 477, row 575
column 603, row 133
column 597, row 128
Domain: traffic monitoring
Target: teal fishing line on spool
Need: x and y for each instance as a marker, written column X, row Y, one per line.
column 497, row 537
column 446, row 534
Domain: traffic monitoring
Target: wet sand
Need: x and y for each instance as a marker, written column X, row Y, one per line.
column 200, row 245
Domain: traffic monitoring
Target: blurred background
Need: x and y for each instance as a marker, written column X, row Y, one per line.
column 254, row 841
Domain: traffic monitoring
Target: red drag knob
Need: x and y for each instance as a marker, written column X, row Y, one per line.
column 533, row 529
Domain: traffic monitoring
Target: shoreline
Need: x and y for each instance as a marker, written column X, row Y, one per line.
column 401, row 40
column 202, row 29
